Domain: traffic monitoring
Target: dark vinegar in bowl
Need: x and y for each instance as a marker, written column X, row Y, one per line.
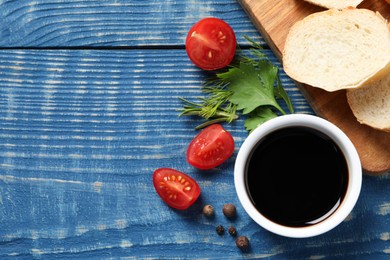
column 296, row 176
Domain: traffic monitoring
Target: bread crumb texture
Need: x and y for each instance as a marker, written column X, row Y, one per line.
column 371, row 104
column 337, row 49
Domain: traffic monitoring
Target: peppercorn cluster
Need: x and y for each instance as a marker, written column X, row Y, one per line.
column 230, row 212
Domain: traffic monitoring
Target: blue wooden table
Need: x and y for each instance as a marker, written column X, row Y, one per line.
column 89, row 109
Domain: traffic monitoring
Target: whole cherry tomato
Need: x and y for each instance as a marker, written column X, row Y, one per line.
column 177, row 189
column 210, row 148
column 211, row 44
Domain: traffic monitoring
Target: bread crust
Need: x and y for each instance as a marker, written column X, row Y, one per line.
column 336, row 4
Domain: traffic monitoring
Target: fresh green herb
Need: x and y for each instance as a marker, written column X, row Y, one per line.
column 251, row 88
column 259, row 116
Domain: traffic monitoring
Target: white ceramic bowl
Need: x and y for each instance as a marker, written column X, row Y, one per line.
column 329, row 129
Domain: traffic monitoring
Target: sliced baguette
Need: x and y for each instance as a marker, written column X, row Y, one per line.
column 338, row 49
column 371, row 104
column 335, row 4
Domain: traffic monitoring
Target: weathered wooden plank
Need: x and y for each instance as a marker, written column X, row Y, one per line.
column 80, row 135
column 42, row 23
column 69, row 112
column 81, row 132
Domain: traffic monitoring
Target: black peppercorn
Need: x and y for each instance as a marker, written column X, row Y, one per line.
column 242, row 243
column 208, row 210
column 232, row 231
column 220, row 230
column 229, row 210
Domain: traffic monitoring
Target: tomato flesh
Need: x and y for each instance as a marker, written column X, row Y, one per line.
column 175, row 188
column 210, row 148
column 211, row 44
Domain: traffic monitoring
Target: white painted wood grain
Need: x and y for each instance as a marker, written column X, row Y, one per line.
column 81, row 132
column 111, row 23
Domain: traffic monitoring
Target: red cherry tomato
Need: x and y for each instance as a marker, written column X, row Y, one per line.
column 210, row 148
column 177, row 189
column 211, row 44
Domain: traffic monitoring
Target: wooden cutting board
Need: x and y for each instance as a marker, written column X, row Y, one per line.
column 274, row 19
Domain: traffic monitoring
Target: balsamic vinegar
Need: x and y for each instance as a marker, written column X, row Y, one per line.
column 296, row 176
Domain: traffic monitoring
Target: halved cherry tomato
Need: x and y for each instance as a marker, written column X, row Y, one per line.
column 177, row 189
column 210, row 148
column 211, row 44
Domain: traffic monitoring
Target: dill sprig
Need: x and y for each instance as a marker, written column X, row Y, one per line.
column 251, row 88
column 216, row 108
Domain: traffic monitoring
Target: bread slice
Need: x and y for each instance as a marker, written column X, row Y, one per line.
column 335, row 4
column 338, row 49
column 371, row 104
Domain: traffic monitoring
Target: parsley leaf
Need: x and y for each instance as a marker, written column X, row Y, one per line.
column 251, row 88
column 257, row 117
